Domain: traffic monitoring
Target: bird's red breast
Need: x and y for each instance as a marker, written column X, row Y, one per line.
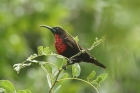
column 59, row 45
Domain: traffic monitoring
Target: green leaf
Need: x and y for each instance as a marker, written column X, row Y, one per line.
column 65, row 75
column 24, row 91
column 97, row 42
column 48, row 68
column 60, row 56
column 63, row 63
column 47, row 50
column 91, row 76
column 94, row 82
column 40, row 50
column 43, row 51
column 49, row 80
column 76, row 70
column 57, row 89
column 101, row 77
column 7, row 86
column 76, row 38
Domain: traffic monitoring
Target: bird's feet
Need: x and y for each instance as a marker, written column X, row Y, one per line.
column 64, row 67
column 69, row 62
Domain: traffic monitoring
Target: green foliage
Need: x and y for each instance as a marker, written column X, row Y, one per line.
column 65, row 75
column 99, row 79
column 97, row 42
column 56, row 89
column 24, row 91
column 54, row 73
column 91, row 76
column 48, row 68
column 43, row 51
column 7, row 87
column 117, row 19
column 76, row 70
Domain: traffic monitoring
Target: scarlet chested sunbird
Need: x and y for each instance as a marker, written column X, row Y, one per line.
column 65, row 45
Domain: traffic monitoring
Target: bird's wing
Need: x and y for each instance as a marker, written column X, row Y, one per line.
column 72, row 43
column 75, row 46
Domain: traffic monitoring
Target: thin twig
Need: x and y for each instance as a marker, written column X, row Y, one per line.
column 56, row 79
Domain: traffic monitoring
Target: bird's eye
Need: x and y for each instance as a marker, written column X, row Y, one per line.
column 56, row 29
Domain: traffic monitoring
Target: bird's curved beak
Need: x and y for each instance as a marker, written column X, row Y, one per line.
column 50, row 28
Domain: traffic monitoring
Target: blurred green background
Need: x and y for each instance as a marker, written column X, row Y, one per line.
column 20, row 35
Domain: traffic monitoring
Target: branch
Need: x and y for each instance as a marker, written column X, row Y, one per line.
column 96, row 43
column 79, row 80
column 55, row 81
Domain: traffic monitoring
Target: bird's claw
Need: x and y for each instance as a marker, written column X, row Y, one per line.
column 69, row 62
column 64, row 67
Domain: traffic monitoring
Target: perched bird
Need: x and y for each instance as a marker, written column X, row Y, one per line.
column 65, row 45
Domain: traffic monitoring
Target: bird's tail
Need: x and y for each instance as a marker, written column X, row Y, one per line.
column 86, row 57
column 97, row 63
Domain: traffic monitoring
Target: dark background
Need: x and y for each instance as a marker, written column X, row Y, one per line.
column 20, row 35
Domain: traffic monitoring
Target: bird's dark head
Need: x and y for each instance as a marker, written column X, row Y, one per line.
column 54, row 30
